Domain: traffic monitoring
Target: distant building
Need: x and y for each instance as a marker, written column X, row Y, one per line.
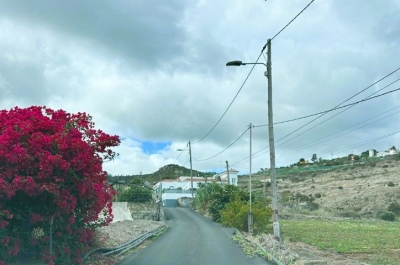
column 230, row 177
column 371, row 153
column 170, row 190
column 388, row 152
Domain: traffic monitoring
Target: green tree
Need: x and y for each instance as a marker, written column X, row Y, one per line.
column 213, row 197
column 314, row 158
column 235, row 214
column 135, row 194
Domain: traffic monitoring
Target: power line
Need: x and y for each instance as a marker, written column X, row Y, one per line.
column 341, row 107
column 367, row 142
column 346, row 148
column 319, row 140
column 330, row 110
column 224, row 149
column 279, row 32
column 334, row 115
column 251, row 70
column 323, row 113
column 186, row 162
column 178, row 156
column 316, row 142
column 234, row 98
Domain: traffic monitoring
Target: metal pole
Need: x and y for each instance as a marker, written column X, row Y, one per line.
column 265, row 183
column 275, row 218
column 191, row 173
column 250, row 218
column 227, row 171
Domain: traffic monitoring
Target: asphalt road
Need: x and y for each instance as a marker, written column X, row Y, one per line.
column 192, row 239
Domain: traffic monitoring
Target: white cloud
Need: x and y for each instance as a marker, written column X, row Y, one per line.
column 155, row 72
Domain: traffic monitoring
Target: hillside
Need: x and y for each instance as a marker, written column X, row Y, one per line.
column 360, row 190
column 171, row 171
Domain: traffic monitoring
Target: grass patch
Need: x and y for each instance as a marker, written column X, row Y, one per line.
column 349, row 236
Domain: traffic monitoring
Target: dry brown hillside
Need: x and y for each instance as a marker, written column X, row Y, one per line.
column 361, row 190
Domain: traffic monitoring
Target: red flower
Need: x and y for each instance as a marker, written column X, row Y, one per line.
column 51, row 171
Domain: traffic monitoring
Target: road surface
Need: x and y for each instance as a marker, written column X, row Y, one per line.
column 192, row 239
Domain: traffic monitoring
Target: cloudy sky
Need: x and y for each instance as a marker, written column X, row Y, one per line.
column 153, row 72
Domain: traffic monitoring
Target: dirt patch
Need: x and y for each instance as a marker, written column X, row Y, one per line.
column 117, row 234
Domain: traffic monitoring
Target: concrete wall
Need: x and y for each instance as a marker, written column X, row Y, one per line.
column 171, row 199
column 170, row 203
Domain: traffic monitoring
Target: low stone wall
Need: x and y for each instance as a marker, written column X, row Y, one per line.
column 145, row 211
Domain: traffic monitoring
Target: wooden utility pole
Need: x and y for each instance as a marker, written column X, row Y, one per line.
column 250, row 217
column 227, row 171
column 275, row 218
column 191, row 170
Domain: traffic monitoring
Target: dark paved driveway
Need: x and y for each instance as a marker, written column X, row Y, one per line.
column 192, row 239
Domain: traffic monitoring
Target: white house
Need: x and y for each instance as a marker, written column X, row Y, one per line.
column 170, row 190
column 229, row 176
column 173, row 189
column 386, row 153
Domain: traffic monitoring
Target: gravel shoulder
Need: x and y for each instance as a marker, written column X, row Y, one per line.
column 116, row 234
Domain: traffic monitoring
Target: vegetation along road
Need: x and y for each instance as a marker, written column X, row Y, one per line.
column 192, row 239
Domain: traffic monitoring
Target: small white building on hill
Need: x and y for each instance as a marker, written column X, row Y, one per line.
column 228, row 176
column 387, row 153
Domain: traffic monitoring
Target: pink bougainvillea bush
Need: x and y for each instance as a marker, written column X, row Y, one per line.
column 51, row 178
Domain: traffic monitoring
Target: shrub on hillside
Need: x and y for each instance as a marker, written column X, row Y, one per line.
column 394, row 207
column 51, row 175
column 235, row 214
column 388, row 216
column 391, row 184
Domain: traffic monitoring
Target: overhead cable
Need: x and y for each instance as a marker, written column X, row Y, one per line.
column 279, row 32
column 224, row 149
column 350, row 147
column 351, row 104
column 367, row 142
column 251, row 70
column 319, row 141
column 178, row 156
column 341, row 107
column 234, row 98
column 333, row 108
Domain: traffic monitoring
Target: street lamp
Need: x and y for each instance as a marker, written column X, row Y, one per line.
column 191, row 173
column 268, row 74
column 239, row 63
